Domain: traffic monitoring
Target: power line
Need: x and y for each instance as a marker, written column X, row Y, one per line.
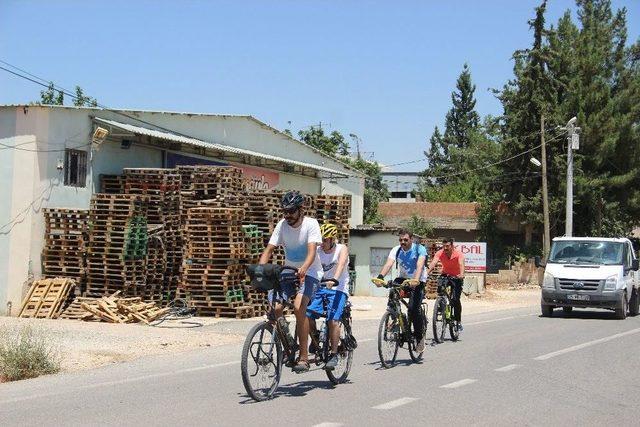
column 59, row 150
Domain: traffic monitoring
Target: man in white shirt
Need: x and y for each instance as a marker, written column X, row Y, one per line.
column 300, row 237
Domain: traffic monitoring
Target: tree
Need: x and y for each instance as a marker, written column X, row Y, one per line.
column 333, row 144
column 461, row 124
column 375, row 190
column 52, row 96
column 419, row 226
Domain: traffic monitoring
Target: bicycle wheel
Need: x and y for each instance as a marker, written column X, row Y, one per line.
column 413, row 352
column 345, row 358
column 438, row 321
column 388, row 339
column 261, row 363
column 453, row 330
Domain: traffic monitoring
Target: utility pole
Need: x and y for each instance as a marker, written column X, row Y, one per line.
column 573, row 143
column 546, row 241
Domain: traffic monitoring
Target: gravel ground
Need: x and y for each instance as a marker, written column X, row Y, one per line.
column 86, row 345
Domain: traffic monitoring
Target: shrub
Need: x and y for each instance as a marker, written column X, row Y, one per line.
column 27, row 352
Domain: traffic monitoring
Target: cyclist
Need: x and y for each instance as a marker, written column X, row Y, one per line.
column 335, row 259
column 410, row 259
column 452, row 262
column 300, row 237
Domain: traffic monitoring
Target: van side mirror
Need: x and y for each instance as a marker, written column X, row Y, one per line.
column 538, row 262
column 635, row 264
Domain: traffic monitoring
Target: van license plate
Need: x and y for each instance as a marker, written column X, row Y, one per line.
column 576, row 297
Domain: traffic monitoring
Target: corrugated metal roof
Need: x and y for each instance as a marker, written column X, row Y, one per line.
column 167, row 136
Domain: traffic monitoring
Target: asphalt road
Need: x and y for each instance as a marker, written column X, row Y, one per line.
column 509, row 367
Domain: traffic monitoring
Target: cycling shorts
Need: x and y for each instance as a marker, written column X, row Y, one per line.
column 336, row 302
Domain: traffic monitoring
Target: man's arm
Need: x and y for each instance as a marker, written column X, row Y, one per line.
column 419, row 269
column 343, row 260
column 266, row 254
column 461, row 264
column 311, row 256
column 387, row 267
column 433, row 263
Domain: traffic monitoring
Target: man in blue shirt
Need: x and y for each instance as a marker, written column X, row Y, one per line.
column 410, row 258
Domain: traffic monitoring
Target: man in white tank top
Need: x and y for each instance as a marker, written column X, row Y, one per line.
column 335, row 259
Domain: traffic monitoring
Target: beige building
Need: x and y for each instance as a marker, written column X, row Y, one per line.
column 51, row 158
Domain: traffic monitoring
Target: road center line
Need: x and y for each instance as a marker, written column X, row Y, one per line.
column 395, row 403
column 507, row 368
column 328, row 425
column 460, row 383
column 366, row 340
column 586, row 344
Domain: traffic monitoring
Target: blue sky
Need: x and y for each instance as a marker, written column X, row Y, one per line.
column 381, row 70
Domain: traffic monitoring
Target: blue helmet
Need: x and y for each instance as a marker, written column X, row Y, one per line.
column 291, row 200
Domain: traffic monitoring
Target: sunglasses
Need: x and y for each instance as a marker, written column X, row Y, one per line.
column 290, row 211
column 404, row 240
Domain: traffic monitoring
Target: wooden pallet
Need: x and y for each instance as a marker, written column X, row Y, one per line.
column 46, row 298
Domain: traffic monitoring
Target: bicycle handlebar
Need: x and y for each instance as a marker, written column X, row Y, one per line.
column 392, row 284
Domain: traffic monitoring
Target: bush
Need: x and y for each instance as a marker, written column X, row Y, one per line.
column 26, row 352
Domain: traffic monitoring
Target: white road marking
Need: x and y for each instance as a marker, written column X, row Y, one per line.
column 395, row 403
column 328, row 425
column 499, row 319
column 366, row 340
column 507, row 368
column 460, row 383
column 120, row 382
column 586, row 344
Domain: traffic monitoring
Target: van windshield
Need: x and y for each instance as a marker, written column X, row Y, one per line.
column 586, row 252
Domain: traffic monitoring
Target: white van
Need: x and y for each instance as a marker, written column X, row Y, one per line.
column 594, row 272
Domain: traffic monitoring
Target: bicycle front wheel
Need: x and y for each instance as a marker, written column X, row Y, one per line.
column 345, row 358
column 261, row 362
column 453, row 330
column 389, row 336
column 438, row 320
column 413, row 352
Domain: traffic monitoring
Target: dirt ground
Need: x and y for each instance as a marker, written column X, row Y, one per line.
column 86, row 345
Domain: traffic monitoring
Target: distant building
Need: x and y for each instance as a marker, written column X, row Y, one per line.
column 403, row 186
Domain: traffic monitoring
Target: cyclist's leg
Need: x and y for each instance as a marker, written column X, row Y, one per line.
column 455, row 303
column 305, row 294
column 415, row 303
column 336, row 304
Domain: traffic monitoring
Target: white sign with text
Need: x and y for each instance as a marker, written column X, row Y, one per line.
column 475, row 255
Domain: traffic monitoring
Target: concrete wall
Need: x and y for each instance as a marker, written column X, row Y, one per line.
column 361, row 244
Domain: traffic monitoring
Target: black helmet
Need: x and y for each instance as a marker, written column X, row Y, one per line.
column 291, row 200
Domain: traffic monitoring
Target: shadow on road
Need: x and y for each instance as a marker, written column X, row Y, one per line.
column 297, row 389
column 584, row 314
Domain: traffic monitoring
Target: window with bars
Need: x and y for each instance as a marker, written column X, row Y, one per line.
column 75, row 168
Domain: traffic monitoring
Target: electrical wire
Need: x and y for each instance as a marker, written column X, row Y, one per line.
column 178, row 310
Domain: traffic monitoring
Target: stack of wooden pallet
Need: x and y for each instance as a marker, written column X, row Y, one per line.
column 156, row 265
column 47, row 298
column 162, row 188
column 336, row 210
column 74, row 311
column 263, row 211
column 212, row 274
column 112, row 184
column 65, row 243
column 115, row 255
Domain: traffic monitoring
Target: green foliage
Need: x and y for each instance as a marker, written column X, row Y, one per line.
column 26, row 352
column 333, row 144
column 52, row 96
column 375, row 191
column 587, row 71
column 420, row 226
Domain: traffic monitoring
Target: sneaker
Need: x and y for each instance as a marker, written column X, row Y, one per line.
column 460, row 328
column 332, row 363
column 301, row 366
column 420, row 345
